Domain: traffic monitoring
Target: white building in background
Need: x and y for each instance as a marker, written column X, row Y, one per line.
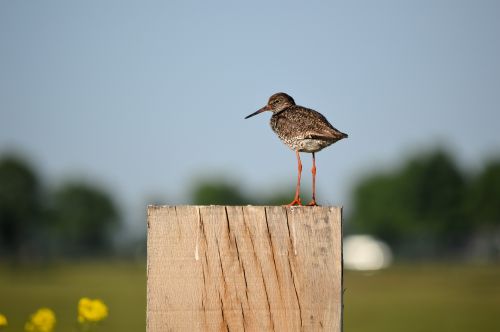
column 366, row 253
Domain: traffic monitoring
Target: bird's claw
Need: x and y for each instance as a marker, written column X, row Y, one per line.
column 296, row 201
column 312, row 203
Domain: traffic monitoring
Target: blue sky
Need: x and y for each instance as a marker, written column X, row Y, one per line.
column 146, row 96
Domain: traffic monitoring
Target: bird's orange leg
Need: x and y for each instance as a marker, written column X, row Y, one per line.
column 296, row 200
column 313, row 171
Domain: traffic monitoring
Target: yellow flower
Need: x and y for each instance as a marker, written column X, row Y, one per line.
column 3, row 321
column 91, row 310
column 43, row 320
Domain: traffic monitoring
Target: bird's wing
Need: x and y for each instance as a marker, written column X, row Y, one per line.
column 311, row 124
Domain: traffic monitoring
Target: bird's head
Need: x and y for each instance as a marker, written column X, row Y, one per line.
column 277, row 103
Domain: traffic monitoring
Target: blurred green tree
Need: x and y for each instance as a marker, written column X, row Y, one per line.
column 19, row 206
column 484, row 197
column 282, row 195
column 376, row 210
column 435, row 190
column 83, row 218
column 218, row 192
column 221, row 191
column 418, row 208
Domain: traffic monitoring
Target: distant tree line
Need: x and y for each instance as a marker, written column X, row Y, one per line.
column 428, row 207
column 72, row 220
column 221, row 191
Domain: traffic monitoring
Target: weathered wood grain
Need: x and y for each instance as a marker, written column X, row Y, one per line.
column 251, row 268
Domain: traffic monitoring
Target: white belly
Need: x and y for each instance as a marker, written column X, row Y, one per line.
column 312, row 145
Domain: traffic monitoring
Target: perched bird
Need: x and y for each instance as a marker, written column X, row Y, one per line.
column 303, row 130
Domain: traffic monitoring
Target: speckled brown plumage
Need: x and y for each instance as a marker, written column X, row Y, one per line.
column 302, row 129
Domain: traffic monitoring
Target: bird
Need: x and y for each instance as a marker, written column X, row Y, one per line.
column 303, row 130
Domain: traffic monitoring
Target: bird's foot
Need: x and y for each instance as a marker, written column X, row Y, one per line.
column 312, row 203
column 296, row 201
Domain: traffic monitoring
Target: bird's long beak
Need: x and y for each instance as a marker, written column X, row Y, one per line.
column 263, row 109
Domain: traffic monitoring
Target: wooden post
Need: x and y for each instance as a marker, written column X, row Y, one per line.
column 250, row 268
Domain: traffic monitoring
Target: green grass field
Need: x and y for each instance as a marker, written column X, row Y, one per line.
column 122, row 286
column 406, row 298
column 431, row 297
